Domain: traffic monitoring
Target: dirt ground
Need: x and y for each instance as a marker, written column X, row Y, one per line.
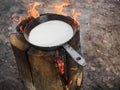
column 99, row 35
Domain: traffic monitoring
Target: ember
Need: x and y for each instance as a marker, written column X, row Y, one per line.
column 60, row 62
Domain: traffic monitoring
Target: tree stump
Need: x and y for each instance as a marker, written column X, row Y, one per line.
column 38, row 69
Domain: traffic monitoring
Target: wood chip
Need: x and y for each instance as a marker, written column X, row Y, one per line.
column 79, row 79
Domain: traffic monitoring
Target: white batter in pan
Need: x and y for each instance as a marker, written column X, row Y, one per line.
column 51, row 33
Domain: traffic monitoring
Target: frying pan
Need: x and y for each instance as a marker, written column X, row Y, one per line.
column 48, row 17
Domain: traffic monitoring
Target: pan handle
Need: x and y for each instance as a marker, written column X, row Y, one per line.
column 75, row 55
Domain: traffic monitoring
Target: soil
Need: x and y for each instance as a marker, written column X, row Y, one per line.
column 99, row 35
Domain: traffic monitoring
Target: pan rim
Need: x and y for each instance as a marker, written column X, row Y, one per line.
column 56, row 46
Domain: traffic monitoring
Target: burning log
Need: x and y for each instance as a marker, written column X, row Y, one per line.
column 38, row 68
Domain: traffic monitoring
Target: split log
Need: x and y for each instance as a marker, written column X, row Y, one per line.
column 74, row 70
column 20, row 47
column 44, row 70
column 38, row 68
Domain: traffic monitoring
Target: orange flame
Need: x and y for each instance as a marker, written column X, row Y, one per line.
column 59, row 7
column 31, row 13
column 75, row 15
